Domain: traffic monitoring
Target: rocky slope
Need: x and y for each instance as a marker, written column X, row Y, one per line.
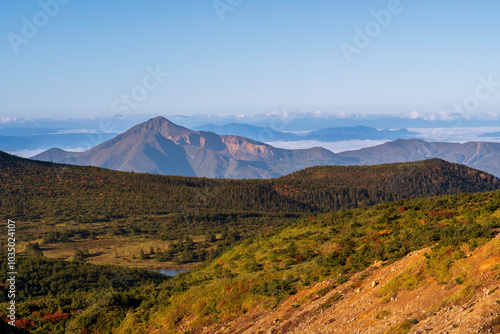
column 359, row 306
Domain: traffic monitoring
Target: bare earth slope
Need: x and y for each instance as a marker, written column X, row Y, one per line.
column 161, row 147
column 357, row 306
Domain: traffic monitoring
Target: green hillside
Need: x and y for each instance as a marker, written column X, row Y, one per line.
column 257, row 274
column 36, row 191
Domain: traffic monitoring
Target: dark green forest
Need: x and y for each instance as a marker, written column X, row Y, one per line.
column 111, row 203
column 40, row 192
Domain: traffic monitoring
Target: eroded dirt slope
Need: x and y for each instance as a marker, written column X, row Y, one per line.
column 371, row 303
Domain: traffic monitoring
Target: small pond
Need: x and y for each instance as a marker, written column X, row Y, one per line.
column 169, row 272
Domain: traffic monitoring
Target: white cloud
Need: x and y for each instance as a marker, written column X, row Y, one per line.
column 415, row 115
column 6, row 120
column 335, row 147
column 456, row 135
column 446, row 115
column 491, row 115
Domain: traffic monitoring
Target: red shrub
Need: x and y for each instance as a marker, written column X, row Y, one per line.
column 24, row 323
column 299, row 258
column 446, row 214
column 55, row 317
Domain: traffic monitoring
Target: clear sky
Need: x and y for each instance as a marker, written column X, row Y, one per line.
column 264, row 54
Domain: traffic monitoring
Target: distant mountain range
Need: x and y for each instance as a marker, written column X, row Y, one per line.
column 480, row 155
column 24, row 139
column 40, row 141
column 278, row 119
column 161, row 147
column 491, row 135
column 266, row 134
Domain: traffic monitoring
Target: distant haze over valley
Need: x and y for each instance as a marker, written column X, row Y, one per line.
column 160, row 146
column 335, row 131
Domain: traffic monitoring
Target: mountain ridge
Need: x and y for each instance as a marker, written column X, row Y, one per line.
column 313, row 189
column 480, row 155
column 329, row 134
column 162, row 147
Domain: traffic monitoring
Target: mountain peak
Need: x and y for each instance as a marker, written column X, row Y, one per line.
column 162, row 125
column 158, row 122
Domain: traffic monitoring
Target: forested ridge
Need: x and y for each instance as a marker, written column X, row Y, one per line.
column 34, row 190
column 64, row 203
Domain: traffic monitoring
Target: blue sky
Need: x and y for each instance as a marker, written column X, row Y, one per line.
column 263, row 55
